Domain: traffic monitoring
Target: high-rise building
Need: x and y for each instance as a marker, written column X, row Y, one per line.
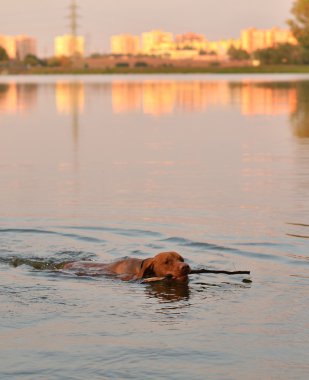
column 9, row 45
column 191, row 41
column 69, row 46
column 254, row 39
column 157, row 42
column 125, row 44
column 222, row 47
column 18, row 47
column 25, row 45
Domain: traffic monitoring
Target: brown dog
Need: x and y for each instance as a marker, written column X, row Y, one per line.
column 165, row 264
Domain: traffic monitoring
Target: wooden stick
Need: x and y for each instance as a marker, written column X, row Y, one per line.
column 198, row 271
column 153, row 279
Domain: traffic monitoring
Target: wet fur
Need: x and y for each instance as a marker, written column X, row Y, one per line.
column 165, row 264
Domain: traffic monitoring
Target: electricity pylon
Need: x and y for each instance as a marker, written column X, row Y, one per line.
column 73, row 17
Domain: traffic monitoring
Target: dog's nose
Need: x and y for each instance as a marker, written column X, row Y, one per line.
column 185, row 268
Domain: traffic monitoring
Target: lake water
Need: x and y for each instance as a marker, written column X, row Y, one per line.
column 101, row 167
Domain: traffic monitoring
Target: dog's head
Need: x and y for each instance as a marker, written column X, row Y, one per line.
column 165, row 264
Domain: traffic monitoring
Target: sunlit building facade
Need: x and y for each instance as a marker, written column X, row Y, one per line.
column 18, row 47
column 190, row 45
column 191, row 41
column 222, row 47
column 69, row 46
column 157, row 42
column 254, row 39
column 179, row 54
column 25, row 45
column 9, row 45
column 125, row 44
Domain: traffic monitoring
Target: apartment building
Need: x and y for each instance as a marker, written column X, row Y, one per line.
column 253, row 39
column 222, row 47
column 25, row 45
column 157, row 42
column 125, row 44
column 18, row 47
column 191, row 41
column 69, row 46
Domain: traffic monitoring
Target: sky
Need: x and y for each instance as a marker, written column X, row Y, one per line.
column 99, row 19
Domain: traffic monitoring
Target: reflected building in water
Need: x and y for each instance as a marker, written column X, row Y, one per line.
column 158, row 98
column 164, row 97
column 17, row 97
column 70, row 100
column 197, row 96
column 70, row 97
column 267, row 99
column 152, row 97
column 126, row 97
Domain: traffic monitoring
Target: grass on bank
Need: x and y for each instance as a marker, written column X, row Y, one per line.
column 267, row 69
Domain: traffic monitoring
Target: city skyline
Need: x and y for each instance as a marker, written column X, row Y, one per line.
column 158, row 43
column 190, row 45
column 99, row 20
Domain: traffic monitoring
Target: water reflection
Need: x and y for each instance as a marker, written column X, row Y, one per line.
column 17, row 97
column 70, row 97
column 265, row 98
column 70, row 100
column 300, row 115
column 168, row 291
column 163, row 97
column 157, row 98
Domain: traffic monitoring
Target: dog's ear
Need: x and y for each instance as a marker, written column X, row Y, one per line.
column 146, row 268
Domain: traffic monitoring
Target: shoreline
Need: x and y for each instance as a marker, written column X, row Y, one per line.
column 271, row 69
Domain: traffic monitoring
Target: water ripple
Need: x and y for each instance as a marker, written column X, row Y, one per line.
column 115, row 230
column 52, row 262
column 298, row 236
column 48, row 232
column 298, row 224
column 235, row 251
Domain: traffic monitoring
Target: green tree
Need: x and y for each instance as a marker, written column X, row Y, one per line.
column 280, row 54
column 32, row 60
column 300, row 23
column 3, row 55
column 237, row 54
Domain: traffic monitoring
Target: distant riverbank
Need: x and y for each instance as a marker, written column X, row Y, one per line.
column 269, row 69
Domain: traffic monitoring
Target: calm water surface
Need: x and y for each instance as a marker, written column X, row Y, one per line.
column 215, row 167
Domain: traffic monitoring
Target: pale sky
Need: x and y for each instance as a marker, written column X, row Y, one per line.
column 216, row 19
